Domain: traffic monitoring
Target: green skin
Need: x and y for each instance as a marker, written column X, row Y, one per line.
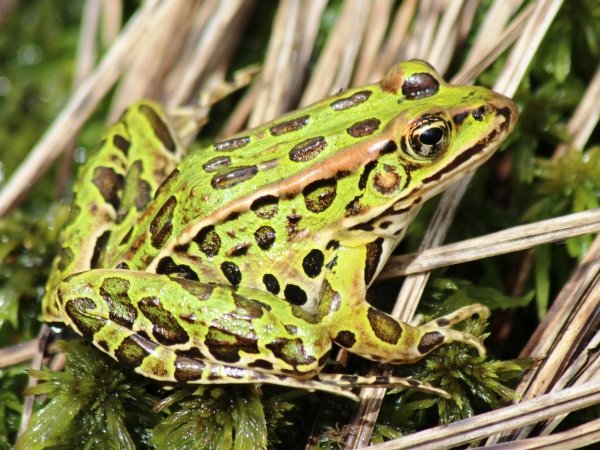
column 245, row 261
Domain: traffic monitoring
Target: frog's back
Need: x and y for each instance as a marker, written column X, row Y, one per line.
column 250, row 173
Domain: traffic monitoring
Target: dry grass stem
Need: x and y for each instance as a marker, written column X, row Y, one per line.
column 537, row 26
column 506, row 241
column 144, row 73
column 377, row 25
column 585, row 118
column 494, row 24
column 400, row 26
column 79, row 107
column 445, row 36
column 214, row 46
column 471, row 70
column 336, row 62
column 87, row 49
column 276, row 78
column 503, row 419
column 19, row 353
column 112, row 15
column 36, row 364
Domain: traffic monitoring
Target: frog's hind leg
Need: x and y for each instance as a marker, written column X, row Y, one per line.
column 119, row 180
column 379, row 381
column 165, row 364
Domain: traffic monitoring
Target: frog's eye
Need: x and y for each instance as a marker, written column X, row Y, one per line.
column 428, row 137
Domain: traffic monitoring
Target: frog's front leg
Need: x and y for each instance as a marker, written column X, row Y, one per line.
column 371, row 333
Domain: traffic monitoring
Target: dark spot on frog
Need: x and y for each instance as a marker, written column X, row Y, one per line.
column 239, row 249
column 182, row 248
column 165, row 328
column 193, row 352
column 420, row 85
column 234, row 177
column 232, row 216
column 324, row 359
column 355, row 207
column 225, row 346
column 231, row 272
column 167, row 181
column 374, row 251
column 291, row 329
column 291, row 351
column 345, row 338
column 249, row 308
column 208, row 241
column 121, row 143
column 271, row 283
column 364, row 176
column 115, row 293
column 364, row 128
column 291, row 125
column 386, row 181
column 261, row 364
column 479, row 113
column 442, row 322
column 81, row 311
column 331, row 264
column 333, row 245
column 161, row 226
column 160, row 128
column 188, row 369
column 189, row 318
column 319, row 195
column 389, row 147
column 127, row 236
column 133, row 350
column 99, row 248
column 232, row 144
column 460, row 117
column 201, row 291
column 313, row 263
column 216, row 163
column 109, row 184
column 384, row 326
column 308, row 149
column 265, row 237
column 429, row 341
column 265, row 207
column 295, row 294
column 104, row 345
column 167, row 266
column 362, row 227
column 348, row 102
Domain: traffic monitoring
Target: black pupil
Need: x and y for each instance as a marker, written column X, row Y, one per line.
column 431, row 136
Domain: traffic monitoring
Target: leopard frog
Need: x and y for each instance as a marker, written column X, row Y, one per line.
column 246, row 260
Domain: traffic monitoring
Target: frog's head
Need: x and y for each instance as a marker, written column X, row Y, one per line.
column 440, row 133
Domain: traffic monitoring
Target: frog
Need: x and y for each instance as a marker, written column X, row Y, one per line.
column 249, row 260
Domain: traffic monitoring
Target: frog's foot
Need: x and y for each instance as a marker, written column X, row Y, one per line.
column 379, row 381
column 438, row 330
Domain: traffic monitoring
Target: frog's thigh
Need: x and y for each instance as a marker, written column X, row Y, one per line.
column 180, row 330
column 371, row 333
